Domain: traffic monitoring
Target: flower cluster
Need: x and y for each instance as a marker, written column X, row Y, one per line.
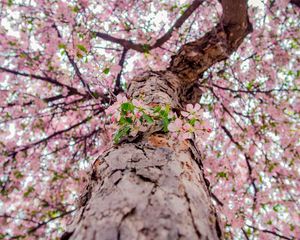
column 189, row 123
column 135, row 116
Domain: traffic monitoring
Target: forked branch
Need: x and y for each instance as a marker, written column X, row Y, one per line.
column 127, row 44
column 196, row 57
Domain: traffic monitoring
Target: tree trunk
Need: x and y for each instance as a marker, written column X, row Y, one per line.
column 150, row 187
column 153, row 189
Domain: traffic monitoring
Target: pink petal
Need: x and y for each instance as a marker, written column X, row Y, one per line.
column 197, row 107
column 185, row 114
column 189, row 107
column 178, row 123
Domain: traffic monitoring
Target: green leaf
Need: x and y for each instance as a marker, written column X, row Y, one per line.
column 156, row 109
column 75, row 9
column 4, row 235
column 82, row 48
column 61, row 46
column 93, row 34
column 271, row 167
column 163, row 113
column 53, row 213
column 192, row 121
column 250, row 85
column 148, row 118
column 127, row 26
column 80, row 35
column 167, row 108
column 96, row 95
column 260, row 179
column 18, row 174
column 11, row 43
column 222, row 175
column 183, row 8
column 166, row 122
column 277, row 208
column 29, row 190
column 129, row 120
column 146, row 48
column 121, row 133
column 57, row 176
column 122, row 120
column 106, row 70
column 127, row 107
column 173, row 7
column 125, row 120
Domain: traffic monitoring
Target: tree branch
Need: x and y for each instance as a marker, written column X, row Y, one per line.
column 32, row 230
column 121, row 64
column 247, row 159
column 196, row 57
column 178, row 23
column 245, row 234
column 296, row 2
column 270, row 232
column 45, row 79
column 128, row 44
column 75, row 67
column 46, row 139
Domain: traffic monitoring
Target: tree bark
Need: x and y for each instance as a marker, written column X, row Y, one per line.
column 150, row 187
column 153, row 189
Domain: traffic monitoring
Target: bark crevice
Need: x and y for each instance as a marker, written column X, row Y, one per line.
column 192, row 216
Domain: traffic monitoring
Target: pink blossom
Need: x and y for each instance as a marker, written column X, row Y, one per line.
column 176, row 126
column 192, row 112
column 137, row 103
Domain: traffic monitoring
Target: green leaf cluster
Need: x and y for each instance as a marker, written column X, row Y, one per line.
column 128, row 120
column 125, row 121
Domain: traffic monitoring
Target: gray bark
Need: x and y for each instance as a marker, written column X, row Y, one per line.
column 153, row 189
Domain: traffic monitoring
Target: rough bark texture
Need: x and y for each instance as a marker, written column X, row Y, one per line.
column 194, row 58
column 150, row 187
column 163, row 88
column 154, row 189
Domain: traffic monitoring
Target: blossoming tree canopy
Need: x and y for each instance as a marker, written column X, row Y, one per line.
column 64, row 71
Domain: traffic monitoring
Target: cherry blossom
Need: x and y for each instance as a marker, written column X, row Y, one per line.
column 64, row 70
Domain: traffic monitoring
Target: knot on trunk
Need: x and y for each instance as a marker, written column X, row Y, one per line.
column 164, row 88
